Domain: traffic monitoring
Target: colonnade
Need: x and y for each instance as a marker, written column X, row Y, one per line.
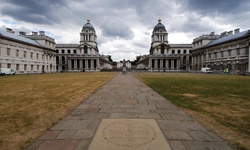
column 164, row 64
column 83, row 64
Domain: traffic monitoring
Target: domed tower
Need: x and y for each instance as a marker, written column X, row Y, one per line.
column 160, row 34
column 88, row 34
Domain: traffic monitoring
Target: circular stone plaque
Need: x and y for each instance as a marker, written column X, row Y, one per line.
column 129, row 133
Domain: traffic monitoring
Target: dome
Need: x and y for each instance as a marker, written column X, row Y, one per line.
column 88, row 26
column 159, row 26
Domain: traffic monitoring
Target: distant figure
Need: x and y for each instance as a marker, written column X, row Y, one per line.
column 226, row 71
column 124, row 69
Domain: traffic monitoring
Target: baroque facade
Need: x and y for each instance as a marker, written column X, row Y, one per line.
column 228, row 50
column 84, row 56
column 27, row 54
column 164, row 56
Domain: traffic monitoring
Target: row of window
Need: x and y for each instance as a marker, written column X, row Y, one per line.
column 85, row 48
column 69, row 51
column 17, row 54
column 174, row 51
column 24, row 67
column 238, row 52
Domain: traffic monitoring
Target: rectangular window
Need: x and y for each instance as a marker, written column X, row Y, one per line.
column 215, row 55
column 8, row 65
column 37, row 56
column 24, row 54
column 31, row 54
column 238, row 51
column 31, row 67
column 222, row 55
column 37, row 68
column 25, row 67
column 17, row 67
column 68, row 51
column 173, row 51
column 17, row 53
column 229, row 53
column 62, row 51
column 8, row 51
column 209, row 56
column 185, row 51
column 74, row 51
column 179, row 51
column 42, row 57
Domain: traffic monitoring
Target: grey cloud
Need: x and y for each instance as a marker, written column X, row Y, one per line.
column 116, row 28
column 218, row 6
column 40, row 12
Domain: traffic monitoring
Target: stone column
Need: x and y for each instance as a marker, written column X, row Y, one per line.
column 161, row 63
column 149, row 63
column 248, row 59
column 75, row 64
column 166, row 64
column 92, row 64
column 81, row 65
column 97, row 64
column 69, row 64
column 172, row 63
column 86, row 63
column 178, row 64
column 156, row 64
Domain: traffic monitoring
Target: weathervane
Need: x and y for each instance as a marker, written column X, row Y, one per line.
column 88, row 19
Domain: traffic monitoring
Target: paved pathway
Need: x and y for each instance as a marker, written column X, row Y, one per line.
column 125, row 97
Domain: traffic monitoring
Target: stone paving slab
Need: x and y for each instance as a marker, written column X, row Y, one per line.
column 125, row 97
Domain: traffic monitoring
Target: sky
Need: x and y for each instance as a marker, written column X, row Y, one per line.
column 124, row 27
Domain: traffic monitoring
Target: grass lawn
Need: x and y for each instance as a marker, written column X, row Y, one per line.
column 31, row 104
column 219, row 102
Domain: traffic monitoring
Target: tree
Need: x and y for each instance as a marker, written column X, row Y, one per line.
column 110, row 59
column 136, row 60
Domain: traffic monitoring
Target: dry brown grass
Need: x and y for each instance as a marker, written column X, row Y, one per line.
column 31, row 104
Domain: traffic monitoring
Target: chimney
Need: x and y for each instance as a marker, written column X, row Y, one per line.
column 34, row 33
column 230, row 32
column 9, row 30
column 212, row 33
column 22, row 33
column 223, row 34
column 237, row 31
column 41, row 32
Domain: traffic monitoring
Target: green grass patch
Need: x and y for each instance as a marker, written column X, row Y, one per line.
column 226, row 99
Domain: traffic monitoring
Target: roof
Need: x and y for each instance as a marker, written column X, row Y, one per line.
column 88, row 26
column 67, row 45
column 180, row 45
column 159, row 27
column 18, row 38
column 229, row 38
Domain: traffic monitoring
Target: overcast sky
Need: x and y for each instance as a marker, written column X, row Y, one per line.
column 124, row 27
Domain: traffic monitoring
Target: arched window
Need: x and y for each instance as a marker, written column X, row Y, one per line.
column 85, row 49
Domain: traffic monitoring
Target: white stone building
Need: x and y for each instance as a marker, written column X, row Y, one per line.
column 27, row 54
column 218, row 52
column 84, row 56
column 164, row 56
